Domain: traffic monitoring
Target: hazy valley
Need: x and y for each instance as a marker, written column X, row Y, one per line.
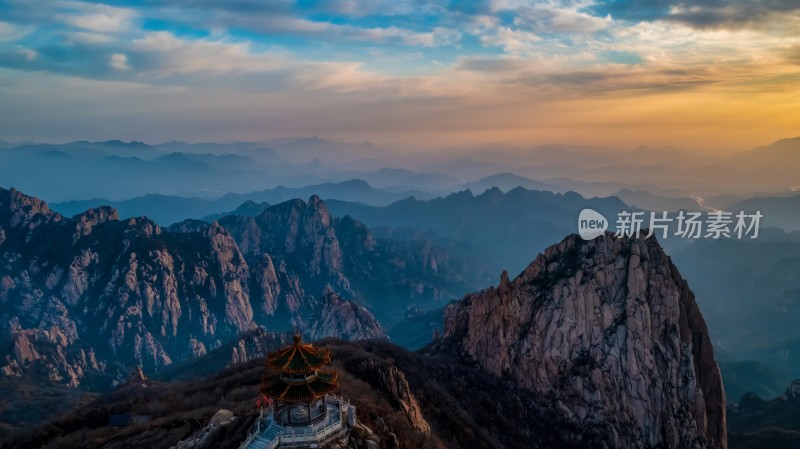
column 196, row 286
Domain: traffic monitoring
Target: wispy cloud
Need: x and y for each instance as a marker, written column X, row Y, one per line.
column 396, row 65
column 731, row 14
column 98, row 18
column 10, row 32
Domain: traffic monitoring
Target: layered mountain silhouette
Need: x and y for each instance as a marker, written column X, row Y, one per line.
column 511, row 227
column 85, row 298
column 168, row 209
column 594, row 344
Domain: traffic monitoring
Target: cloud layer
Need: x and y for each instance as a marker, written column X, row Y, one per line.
column 578, row 71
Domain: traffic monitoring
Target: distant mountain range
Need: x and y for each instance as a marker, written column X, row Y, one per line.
column 750, row 295
column 758, row 423
column 511, row 227
column 779, row 211
column 646, row 177
column 249, row 208
column 167, row 209
column 85, row 169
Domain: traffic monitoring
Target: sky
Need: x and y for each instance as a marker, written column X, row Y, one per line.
column 704, row 74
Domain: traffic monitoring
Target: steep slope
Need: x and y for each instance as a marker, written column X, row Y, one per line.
column 596, row 344
column 91, row 294
column 412, row 401
column 609, row 332
column 302, row 233
column 337, row 317
column 85, row 298
column 308, row 247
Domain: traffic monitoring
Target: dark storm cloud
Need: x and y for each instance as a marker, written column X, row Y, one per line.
column 700, row 13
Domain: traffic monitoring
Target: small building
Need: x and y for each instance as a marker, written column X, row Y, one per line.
column 298, row 384
column 303, row 410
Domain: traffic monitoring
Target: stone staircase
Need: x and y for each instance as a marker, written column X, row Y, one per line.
column 268, row 439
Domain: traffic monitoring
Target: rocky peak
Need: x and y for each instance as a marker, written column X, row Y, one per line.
column 296, row 234
column 337, row 317
column 293, row 228
column 91, row 218
column 393, row 383
column 492, row 194
column 255, row 343
column 93, row 295
column 190, row 225
column 354, row 236
column 20, row 210
column 137, row 378
column 610, row 331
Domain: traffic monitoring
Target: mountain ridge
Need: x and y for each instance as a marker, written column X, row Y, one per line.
column 588, row 319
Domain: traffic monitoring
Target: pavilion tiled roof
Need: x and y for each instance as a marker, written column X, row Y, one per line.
column 324, row 383
column 298, row 358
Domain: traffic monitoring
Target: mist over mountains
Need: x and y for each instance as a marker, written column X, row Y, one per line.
column 163, row 254
column 169, row 209
column 116, row 170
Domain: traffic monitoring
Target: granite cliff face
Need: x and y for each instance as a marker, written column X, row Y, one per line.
column 609, row 333
column 337, row 317
column 297, row 250
column 294, row 252
column 393, row 383
column 91, row 295
column 86, row 298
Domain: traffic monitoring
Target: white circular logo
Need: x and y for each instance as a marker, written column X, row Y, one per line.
column 591, row 224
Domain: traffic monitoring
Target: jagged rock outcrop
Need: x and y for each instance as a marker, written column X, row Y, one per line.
column 610, row 333
column 92, row 295
column 24, row 212
column 190, row 225
column 389, row 275
column 394, row 385
column 254, row 344
column 92, row 218
column 137, row 378
column 95, row 295
column 301, row 234
column 296, row 249
column 337, row 317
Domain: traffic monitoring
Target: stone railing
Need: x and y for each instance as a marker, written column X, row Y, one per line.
column 255, row 430
column 296, row 436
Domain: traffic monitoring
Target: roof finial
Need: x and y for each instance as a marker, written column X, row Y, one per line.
column 298, row 338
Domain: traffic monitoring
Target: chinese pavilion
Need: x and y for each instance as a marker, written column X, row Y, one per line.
column 297, row 384
column 302, row 410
